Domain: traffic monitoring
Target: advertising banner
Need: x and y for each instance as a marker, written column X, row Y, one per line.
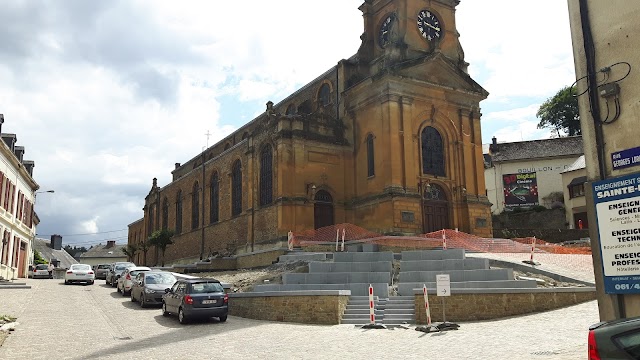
column 520, row 190
column 617, row 202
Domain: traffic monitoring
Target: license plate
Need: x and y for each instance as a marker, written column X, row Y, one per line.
column 81, row 274
column 209, row 301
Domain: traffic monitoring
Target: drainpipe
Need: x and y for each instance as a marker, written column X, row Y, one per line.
column 203, row 186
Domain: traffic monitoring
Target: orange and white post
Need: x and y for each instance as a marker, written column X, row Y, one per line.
column 444, row 241
column 426, row 304
column 342, row 245
column 372, row 312
column 337, row 238
column 290, row 240
column 533, row 248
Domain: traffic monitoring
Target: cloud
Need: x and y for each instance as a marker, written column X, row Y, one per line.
column 518, row 124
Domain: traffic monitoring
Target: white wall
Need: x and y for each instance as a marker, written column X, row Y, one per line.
column 547, row 172
column 577, row 204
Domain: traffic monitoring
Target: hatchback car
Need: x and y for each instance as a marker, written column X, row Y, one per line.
column 196, row 298
column 79, row 273
column 39, row 271
column 115, row 270
column 126, row 279
column 149, row 287
column 617, row 339
column 101, row 271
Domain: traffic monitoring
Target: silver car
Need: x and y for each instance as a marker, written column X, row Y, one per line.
column 115, row 271
column 149, row 286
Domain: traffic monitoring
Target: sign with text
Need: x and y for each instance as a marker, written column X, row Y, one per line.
column 520, row 190
column 443, row 285
column 625, row 158
column 617, row 203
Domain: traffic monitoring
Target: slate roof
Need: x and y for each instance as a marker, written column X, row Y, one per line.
column 577, row 165
column 537, row 149
column 43, row 247
column 102, row 251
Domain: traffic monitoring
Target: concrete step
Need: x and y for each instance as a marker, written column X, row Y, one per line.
column 358, row 321
column 363, row 311
column 388, row 311
column 361, row 316
column 15, row 286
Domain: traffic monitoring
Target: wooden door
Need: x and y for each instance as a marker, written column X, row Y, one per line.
column 323, row 210
column 22, row 257
column 435, row 209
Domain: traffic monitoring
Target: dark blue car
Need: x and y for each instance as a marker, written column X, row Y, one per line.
column 199, row 298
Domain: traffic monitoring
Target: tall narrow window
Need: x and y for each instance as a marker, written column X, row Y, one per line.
column 432, row 152
column 179, row 212
column 165, row 214
column 324, row 96
column 214, row 205
column 266, row 176
column 236, row 188
column 195, row 206
column 151, row 217
column 370, row 159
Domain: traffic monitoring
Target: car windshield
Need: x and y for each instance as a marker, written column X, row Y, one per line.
column 80, row 267
column 136, row 272
column 160, row 279
column 103, row 266
column 123, row 266
column 206, row 287
column 41, row 267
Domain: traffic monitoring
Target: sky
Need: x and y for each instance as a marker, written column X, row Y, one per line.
column 107, row 95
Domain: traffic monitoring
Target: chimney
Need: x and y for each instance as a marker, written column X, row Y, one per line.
column 494, row 145
column 56, row 242
column 1, row 122
column 29, row 165
column 19, row 152
column 10, row 140
column 110, row 243
column 177, row 166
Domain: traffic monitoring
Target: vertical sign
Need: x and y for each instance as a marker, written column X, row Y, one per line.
column 617, row 202
column 443, row 285
column 520, row 190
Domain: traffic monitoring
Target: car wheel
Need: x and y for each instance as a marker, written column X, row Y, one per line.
column 181, row 317
column 164, row 310
column 124, row 293
column 223, row 318
column 91, row 282
column 66, row 282
column 142, row 301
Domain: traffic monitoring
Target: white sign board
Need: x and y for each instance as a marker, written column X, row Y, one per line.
column 443, row 284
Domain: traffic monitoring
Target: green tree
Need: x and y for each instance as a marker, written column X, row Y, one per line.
column 144, row 247
column 37, row 258
column 560, row 113
column 161, row 239
column 130, row 250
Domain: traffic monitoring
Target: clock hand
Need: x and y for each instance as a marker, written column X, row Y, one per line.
column 433, row 27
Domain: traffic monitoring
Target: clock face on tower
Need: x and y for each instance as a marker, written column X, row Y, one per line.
column 385, row 30
column 429, row 25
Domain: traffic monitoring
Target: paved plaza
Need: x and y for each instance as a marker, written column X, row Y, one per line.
column 95, row 322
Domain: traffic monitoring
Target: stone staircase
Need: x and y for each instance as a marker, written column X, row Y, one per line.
column 5, row 284
column 395, row 310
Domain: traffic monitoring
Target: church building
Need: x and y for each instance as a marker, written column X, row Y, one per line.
column 388, row 140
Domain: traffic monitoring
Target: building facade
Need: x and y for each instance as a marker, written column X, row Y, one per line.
column 388, row 139
column 104, row 254
column 606, row 57
column 526, row 174
column 17, row 214
column 574, row 181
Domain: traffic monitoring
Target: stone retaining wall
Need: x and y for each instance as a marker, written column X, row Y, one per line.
column 324, row 307
column 463, row 305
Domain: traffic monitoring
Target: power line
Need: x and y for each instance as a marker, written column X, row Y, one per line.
column 95, row 233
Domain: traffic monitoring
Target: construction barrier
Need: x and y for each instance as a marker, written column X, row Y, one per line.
column 372, row 311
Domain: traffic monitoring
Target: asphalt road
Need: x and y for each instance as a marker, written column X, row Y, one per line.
column 95, row 322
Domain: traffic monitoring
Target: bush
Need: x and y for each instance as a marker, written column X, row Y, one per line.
column 37, row 258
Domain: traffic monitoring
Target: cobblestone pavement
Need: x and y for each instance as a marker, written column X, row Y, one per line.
column 575, row 266
column 95, row 322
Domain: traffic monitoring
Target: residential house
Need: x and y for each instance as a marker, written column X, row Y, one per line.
column 54, row 252
column 104, row 254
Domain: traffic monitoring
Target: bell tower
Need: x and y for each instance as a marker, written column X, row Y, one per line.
column 400, row 30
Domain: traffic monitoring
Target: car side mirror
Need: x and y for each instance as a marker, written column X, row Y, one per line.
column 167, row 290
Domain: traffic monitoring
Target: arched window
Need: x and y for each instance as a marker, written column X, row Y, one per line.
column 179, row 212
column 266, row 176
column 305, row 108
column 150, row 225
column 165, row 214
column 291, row 110
column 370, row 159
column 236, row 188
column 195, row 206
column 432, row 152
column 324, row 95
column 214, row 200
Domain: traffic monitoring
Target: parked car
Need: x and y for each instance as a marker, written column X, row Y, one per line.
column 39, row 271
column 79, row 273
column 115, row 270
column 149, row 287
column 101, row 271
column 126, row 279
column 196, row 298
column 617, row 339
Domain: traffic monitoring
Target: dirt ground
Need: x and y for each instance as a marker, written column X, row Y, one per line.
column 243, row 280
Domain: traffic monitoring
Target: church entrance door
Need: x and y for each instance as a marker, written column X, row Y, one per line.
column 323, row 209
column 435, row 209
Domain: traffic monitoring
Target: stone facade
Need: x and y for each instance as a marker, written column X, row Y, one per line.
column 288, row 307
column 489, row 306
column 349, row 147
